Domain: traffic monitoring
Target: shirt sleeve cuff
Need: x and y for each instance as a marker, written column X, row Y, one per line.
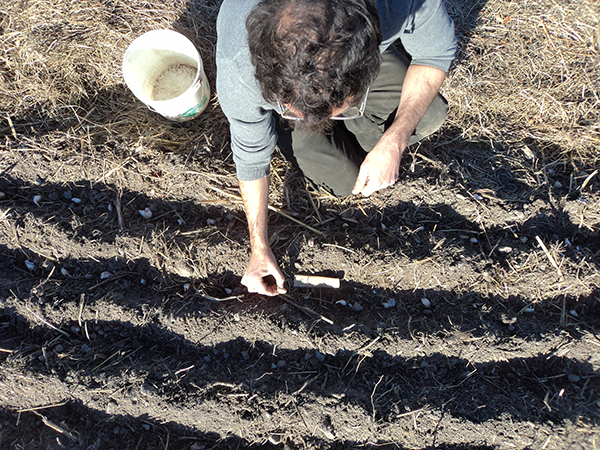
column 443, row 64
column 252, row 173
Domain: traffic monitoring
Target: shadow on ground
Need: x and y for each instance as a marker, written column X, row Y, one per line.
column 128, row 433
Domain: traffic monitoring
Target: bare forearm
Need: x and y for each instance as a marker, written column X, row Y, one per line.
column 262, row 265
column 421, row 85
column 381, row 167
column 255, row 195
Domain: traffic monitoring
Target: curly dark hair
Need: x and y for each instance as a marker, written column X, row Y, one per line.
column 314, row 55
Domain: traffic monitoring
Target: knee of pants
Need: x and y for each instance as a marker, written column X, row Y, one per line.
column 434, row 118
column 331, row 160
column 338, row 177
column 342, row 188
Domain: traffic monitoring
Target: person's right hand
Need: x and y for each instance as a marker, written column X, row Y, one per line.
column 263, row 264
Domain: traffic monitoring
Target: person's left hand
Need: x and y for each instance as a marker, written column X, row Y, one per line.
column 380, row 169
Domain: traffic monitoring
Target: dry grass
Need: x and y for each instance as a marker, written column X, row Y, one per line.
column 527, row 73
column 61, row 68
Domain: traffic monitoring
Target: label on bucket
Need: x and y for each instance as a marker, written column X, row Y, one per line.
column 197, row 109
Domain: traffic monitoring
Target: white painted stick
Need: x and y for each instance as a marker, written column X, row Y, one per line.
column 304, row 281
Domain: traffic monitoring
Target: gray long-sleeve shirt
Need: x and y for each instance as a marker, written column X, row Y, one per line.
column 423, row 27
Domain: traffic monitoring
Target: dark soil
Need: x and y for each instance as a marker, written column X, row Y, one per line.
column 502, row 354
column 453, row 327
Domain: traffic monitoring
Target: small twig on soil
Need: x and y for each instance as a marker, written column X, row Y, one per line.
column 301, row 417
column 469, row 375
column 588, row 179
column 111, row 278
column 49, row 276
column 272, row 208
column 226, row 299
column 185, row 370
column 409, row 330
column 64, row 333
column 457, row 230
column 307, row 311
column 106, row 360
column 219, row 384
column 305, row 385
column 286, row 189
column 312, row 202
column 548, row 441
column 168, row 437
column 373, row 395
column 546, row 401
column 51, row 258
column 119, row 213
column 81, row 303
column 55, row 427
column 435, row 163
column 362, row 350
column 340, row 247
column 416, row 411
column 37, row 408
column 5, row 350
column 139, row 441
column 113, row 170
column 12, row 127
column 87, row 334
column 550, row 258
column 4, row 214
column 310, row 281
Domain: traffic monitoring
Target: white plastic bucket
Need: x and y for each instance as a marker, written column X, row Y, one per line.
column 164, row 70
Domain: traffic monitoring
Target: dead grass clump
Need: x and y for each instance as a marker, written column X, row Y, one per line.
column 61, row 65
column 56, row 53
column 528, row 72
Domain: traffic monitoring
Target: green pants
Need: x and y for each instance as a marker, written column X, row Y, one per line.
column 333, row 160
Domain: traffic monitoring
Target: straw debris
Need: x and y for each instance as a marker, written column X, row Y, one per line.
column 60, row 66
column 452, row 327
column 529, row 74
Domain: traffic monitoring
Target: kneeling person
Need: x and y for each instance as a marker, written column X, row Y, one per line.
column 320, row 79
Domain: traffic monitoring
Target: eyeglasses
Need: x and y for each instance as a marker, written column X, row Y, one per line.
column 354, row 112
